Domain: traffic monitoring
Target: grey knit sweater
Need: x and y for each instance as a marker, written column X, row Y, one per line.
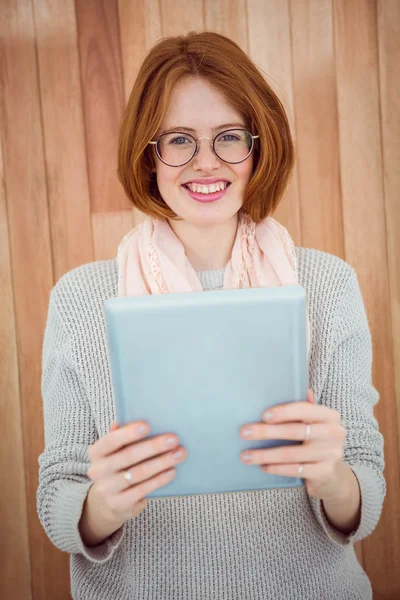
column 266, row 544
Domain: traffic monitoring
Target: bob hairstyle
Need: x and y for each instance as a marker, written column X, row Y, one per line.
column 224, row 64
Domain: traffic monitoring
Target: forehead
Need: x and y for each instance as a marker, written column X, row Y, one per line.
column 195, row 103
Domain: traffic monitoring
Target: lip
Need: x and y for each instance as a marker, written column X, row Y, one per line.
column 204, row 198
column 207, row 181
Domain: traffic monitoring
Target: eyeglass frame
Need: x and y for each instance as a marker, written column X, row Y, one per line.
column 205, row 138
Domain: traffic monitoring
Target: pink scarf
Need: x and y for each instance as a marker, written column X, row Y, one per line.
column 152, row 260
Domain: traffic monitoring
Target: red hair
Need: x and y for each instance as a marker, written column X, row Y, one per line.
column 223, row 64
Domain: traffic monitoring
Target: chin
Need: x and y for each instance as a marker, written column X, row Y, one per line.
column 215, row 216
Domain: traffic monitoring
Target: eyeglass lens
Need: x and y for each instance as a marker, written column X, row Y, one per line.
column 177, row 148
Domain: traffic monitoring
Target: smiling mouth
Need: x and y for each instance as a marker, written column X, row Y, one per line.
column 186, row 186
column 206, row 198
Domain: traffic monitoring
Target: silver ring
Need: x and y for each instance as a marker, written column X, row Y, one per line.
column 300, row 471
column 127, row 475
column 308, row 433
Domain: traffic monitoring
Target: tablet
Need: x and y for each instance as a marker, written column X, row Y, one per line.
column 203, row 364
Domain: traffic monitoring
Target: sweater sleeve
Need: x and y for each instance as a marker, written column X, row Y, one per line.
column 348, row 389
column 69, row 429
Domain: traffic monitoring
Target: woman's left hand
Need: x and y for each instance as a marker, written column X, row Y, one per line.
column 319, row 460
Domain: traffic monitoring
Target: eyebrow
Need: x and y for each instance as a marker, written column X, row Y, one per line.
column 182, row 128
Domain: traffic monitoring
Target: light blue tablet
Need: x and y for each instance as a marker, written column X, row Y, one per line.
column 201, row 365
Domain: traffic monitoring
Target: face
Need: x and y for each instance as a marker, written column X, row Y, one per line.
column 195, row 103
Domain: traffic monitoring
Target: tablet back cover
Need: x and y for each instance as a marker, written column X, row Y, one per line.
column 203, row 364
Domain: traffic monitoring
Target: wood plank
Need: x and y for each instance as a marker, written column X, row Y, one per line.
column 179, row 18
column 140, row 26
column 138, row 217
column 366, row 251
column 389, row 86
column 108, row 231
column 232, row 22
column 32, row 276
column 15, row 568
column 63, row 131
column 269, row 48
column 316, row 125
column 103, row 100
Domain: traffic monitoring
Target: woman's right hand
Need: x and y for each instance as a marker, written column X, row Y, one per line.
column 150, row 462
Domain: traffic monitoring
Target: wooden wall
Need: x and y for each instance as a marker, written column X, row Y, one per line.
column 66, row 72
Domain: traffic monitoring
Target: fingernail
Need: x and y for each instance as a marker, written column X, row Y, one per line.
column 169, row 474
column 247, row 457
column 142, row 429
column 177, row 454
column 247, row 432
column 267, row 416
column 169, row 442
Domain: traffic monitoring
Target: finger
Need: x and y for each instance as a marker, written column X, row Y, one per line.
column 132, row 455
column 301, row 411
column 139, row 507
column 310, row 396
column 114, row 426
column 146, row 470
column 310, row 471
column 291, row 454
column 114, row 440
column 291, row 470
column 293, row 431
column 135, row 494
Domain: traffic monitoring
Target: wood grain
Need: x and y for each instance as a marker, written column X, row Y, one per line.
column 32, row 280
column 271, row 20
column 103, row 100
column 108, row 230
column 14, row 552
column 67, row 72
column 316, row 125
column 140, row 27
column 389, row 87
column 63, row 134
column 366, row 250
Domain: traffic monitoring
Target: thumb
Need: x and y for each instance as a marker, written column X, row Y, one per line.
column 139, row 507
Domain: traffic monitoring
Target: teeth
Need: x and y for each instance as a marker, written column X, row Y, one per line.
column 207, row 189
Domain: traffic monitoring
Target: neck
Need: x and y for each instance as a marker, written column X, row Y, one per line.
column 209, row 247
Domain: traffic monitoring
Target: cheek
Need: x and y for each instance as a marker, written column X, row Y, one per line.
column 168, row 178
column 245, row 174
column 250, row 167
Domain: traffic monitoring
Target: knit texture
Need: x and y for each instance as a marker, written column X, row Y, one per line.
column 211, row 280
column 242, row 545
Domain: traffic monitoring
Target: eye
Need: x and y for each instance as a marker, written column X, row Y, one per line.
column 228, row 135
column 181, row 137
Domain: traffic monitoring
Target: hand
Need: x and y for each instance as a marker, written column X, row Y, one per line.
column 150, row 463
column 321, row 456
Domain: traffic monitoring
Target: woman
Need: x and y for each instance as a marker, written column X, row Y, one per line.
column 205, row 152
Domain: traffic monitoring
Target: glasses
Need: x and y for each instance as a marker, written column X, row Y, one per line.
column 176, row 148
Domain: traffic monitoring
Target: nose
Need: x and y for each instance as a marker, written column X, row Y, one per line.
column 205, row 159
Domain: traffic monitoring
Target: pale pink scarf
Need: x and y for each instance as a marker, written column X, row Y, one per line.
column 152, row 260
